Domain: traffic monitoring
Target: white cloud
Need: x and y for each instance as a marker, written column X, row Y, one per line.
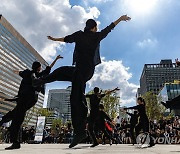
column 147, row 43
column 111, row 74
column 37, row 19
column 99, row 1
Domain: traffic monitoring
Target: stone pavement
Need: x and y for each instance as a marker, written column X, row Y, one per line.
column 85, row 149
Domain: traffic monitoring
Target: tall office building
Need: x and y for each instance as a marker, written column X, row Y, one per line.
column 154, row 76
column 15, row 54
column 60, row 99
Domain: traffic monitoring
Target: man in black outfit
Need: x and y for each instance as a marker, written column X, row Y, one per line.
column 26, row 98
column 86, row 57
column 133, row 123
column 94, row 111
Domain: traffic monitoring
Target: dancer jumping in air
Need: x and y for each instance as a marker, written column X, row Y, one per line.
column 26, row 98
column 86, row 57
column 143, row 119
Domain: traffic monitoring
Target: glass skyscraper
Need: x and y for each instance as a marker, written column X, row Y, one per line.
column 60, row 99
column 15, row 54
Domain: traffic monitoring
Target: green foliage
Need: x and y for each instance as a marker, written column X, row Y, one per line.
column 154, row 109
column 56, row 123
column 44, row 112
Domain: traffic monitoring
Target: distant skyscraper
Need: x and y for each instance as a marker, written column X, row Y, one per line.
column 154, row 76
column 60, row 99
column 15, row 54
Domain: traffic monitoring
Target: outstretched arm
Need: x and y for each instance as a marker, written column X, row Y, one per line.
column 109, row 92
column 122, row 18
column 10, row 99
column 129, row 113
column 58, row 57
column 56, row 39
column 133, row 107
column 48, row 68
column 105, row 31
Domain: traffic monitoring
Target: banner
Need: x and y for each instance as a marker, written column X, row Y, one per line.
column 40, row 128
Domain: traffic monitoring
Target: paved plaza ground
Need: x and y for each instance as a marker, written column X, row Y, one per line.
column 85, row 149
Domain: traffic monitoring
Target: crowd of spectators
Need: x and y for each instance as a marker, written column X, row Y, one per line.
column 159, row 129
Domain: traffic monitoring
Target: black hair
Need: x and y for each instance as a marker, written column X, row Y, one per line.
column 90, row 23
column 36, row 65
column 101, row 106
column 96, row 90
column 141, row 99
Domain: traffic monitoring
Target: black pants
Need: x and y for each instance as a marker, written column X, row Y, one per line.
column 17, row 115
column 142, row 125
column 91, row 126
column 106, row 133
column 99, row 125
column 132, row 127
column 78, row 76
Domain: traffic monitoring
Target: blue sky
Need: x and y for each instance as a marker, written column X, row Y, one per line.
column 152, row 34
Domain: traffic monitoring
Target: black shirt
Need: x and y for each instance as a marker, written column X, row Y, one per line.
column 134, row 118
column 26, row 83
column 86, row 52
column 142, row 111
column 95, row 101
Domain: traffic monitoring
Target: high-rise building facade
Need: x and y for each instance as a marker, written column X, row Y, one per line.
column 60, row 99
column 15, row 54
column 154, row 76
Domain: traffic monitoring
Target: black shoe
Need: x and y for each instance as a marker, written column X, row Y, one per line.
column 14, row 146
column 94, row 145
column 77, row 139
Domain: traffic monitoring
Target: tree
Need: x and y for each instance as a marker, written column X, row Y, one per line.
column 56, row 123
column 154, row 109
column 44, row 112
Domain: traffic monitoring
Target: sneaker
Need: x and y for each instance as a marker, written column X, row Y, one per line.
column 145, row 146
